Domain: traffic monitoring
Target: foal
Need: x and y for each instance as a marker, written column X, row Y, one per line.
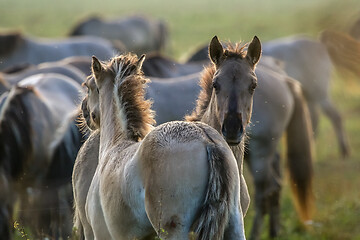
column 173, row 179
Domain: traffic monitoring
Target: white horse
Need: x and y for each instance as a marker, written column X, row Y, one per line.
column 170, row 180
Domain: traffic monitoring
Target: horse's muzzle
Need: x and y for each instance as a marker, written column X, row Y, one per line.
column 232, row 129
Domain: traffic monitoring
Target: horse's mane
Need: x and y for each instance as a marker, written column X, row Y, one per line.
column 15, row 131
column 131, row 91
column 231, row 51
column 9, row 42
column 343, row 49
column 156, row 62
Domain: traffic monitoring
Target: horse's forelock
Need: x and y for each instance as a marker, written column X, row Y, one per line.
column 235, row 51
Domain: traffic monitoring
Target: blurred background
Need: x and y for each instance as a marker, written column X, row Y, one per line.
column 192, row 24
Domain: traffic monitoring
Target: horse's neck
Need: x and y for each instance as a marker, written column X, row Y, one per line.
column 238, row 152
column 112, row 118
column 210, row 119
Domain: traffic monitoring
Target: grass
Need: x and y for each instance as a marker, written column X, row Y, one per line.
column 194, row 23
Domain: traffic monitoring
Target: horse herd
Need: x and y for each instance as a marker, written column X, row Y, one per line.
column 81, row 154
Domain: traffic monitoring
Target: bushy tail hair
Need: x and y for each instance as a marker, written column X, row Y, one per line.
column 343, row 49
column 214, row 214
column 300, row 153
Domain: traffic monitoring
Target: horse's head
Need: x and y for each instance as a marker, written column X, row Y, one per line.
column 233, row 83
column 9, row 42
column 120, row 84
column 90, row 104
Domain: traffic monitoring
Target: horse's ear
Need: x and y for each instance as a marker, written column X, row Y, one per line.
column 216, row 51
column 96, row 66
column 140, row 62
column 254, row 51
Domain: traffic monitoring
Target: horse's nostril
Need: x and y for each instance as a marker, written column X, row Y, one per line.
column 93, row 116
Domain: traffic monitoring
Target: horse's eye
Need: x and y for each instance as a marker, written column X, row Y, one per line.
column 252, row 87
column 216, row 86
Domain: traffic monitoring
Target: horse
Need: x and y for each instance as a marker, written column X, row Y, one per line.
column 140, row 150
column 37, row 140
column 314, row 75
column 19, row 49
column 278, row 106
column 138, row 34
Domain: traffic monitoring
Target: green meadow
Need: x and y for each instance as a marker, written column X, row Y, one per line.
column 192, row 24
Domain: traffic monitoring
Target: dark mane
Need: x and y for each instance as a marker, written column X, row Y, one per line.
column 9, row 42
column 131, row 90
column 15, row 131
column 155, row 63
column 203, row 100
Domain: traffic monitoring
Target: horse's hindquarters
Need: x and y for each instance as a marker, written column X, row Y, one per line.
column 175, row 179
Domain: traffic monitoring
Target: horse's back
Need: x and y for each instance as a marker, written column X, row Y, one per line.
column 304, row 59
column 36, row 51
column 60, row 93
column 173, row 97
column 47, row 67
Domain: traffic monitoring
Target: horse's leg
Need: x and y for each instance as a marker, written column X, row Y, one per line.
column 235, row 228
column 314, row 114
column 274, row 206
column 260, row 159
column 333, row 114
column 244, row 195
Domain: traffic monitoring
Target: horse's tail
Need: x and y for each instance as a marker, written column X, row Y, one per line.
column 300, row 153
column 343, row 49
column 214, row 214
